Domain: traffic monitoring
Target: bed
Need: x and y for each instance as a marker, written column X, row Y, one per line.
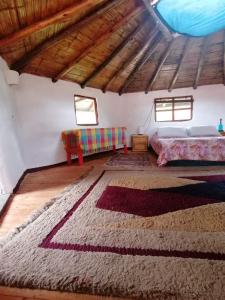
column 201, row 148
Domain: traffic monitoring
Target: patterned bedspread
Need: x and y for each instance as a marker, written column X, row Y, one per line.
column 199, row 148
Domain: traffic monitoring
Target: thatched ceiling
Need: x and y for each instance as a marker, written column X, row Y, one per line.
column 112, row 45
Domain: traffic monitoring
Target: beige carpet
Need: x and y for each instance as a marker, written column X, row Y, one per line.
column 74, row 245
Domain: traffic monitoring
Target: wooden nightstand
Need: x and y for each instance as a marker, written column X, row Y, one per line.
column 222, row 133
column 139, row 143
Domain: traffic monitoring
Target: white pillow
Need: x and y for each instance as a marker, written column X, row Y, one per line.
column 166, row 132
column 203, row 131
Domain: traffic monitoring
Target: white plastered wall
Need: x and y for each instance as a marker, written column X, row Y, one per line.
column 11, row 161
column 45, row 108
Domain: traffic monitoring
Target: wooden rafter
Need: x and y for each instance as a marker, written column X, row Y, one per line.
column 165, row 31
column 128, row 61
column 153, row 78
column 98, row 40
column 153, row 44
column 117, row 50
column 177, row 72
column 204, row 49
column 90, row 16
column 61, row 16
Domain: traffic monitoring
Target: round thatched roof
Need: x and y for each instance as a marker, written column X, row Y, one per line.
column 113, row 45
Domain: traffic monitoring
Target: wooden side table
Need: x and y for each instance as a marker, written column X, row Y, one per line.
column 139, row 143
column 222, row 133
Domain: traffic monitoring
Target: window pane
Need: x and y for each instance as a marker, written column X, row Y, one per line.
column 164, row 116
column 182, row 114
column 163, row 106
column 182, row 105
column 85, row 109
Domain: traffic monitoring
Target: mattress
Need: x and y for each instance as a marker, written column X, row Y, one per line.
column 210, row 148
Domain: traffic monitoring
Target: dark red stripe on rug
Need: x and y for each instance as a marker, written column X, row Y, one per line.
column 48, row 244
column 211, row 178
column 137, row 251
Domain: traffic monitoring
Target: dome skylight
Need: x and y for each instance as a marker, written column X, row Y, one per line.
column 193, row 17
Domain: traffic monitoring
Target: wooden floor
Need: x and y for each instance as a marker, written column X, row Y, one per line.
column 35, row 190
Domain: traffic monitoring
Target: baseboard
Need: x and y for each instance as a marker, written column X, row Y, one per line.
column 37, row 169
column 3, row 200
column 74, row 160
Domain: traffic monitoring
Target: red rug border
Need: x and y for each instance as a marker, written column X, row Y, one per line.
column 48, row 244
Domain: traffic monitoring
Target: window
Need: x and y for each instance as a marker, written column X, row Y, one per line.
column 173, row 109
column 85, row 110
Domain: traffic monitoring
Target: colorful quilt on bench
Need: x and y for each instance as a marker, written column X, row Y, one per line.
column 95, row 139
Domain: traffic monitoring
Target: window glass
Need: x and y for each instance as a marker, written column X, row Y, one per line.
column 85, row 110
column 173, row 109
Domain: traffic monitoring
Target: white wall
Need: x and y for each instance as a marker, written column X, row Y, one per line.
column 209, row 107
column 11, row 162
column 44, row 109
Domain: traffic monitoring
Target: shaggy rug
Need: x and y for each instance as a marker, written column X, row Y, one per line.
column 125, row 233
column 129, row 160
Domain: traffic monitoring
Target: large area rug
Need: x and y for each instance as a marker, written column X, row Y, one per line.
column 124, row 233
column 131, row 160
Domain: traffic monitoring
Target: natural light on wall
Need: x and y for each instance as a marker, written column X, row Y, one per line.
column 193, row 17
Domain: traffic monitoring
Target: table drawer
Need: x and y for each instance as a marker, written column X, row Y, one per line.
column 140, row 147
column 140, row 140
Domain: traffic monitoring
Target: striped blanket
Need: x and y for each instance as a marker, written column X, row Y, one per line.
column 94, row 139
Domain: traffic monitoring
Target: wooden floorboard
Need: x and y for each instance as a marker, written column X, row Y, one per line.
column 7, row 293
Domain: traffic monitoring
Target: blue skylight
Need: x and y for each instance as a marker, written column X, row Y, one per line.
column 193, row 17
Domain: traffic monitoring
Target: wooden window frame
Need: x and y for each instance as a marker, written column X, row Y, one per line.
column 174, row 100
column 96, row 109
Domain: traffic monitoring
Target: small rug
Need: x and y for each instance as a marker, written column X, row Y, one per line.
column 91, row 241
column 129, row 160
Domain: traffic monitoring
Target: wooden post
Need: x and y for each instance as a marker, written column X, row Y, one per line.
column 67, row 148
column 125, row 149
column 68, row 157
column 80, row 156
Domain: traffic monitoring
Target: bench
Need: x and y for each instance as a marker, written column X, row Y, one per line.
column 92, row 140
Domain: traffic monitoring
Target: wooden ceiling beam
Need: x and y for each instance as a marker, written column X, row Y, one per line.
column 117, row 50
column 180, row 64
column 204, row 49
column 99, row 40
column 153, row 44
column 50, row 42
column 165, row 31
column 62, row 16
column 128, row 61
column 153, row 78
